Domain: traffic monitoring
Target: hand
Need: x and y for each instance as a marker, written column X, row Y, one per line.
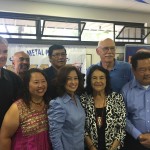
column 93, row 148
column 112, row 148
column 145, row 139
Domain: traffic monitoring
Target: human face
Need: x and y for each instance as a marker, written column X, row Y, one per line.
column 98, row 81
column 3, row 54
column 72, row 82
column 106, row 51
column 21, row 63
column 58, row 58
column 142, row 72
column 37, row 85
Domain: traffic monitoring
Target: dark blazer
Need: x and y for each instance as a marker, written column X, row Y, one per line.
column 51, row 73
column 11, row 88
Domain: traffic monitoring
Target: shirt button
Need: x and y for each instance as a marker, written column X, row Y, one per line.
column 148, row 110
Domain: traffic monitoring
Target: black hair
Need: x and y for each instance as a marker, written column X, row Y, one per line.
column 61, row 79
column 89, row 88
column 26, row 80
column 138, row 56
column 55, row 47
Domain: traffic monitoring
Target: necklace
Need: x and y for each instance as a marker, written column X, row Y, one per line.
column 37, row 103
column 99, row 117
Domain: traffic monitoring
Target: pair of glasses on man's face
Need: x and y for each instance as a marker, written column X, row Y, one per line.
column 106, row 49
column 21, row 59
column 56, row 55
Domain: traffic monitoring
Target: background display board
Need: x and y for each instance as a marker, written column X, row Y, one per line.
column 132, row 49
column 39, row 56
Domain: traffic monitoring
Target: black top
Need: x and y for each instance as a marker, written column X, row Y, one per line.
column 10, row 90
column 51, row 73
column 101, row 112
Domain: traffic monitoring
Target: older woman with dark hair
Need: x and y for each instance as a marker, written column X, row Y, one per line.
column 25, row 124
column 66, row 115
column 105, row 112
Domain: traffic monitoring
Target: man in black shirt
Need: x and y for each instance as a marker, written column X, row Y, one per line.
column 57, row 56
column 10, row 83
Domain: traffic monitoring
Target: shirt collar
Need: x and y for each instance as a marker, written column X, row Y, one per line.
column 4, row 74
column 135, row 83
column 67, row 98
column 116, row 64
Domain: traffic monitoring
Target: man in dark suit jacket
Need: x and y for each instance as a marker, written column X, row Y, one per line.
column 10, row 83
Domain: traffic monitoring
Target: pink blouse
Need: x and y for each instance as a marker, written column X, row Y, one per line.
column 32, row 133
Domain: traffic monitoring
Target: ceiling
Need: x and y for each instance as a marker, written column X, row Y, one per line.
column 133, row 33
column 124, row 5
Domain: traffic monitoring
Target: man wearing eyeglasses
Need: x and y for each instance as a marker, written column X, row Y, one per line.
column 57, row 57
column 10, row 83
column 120, row 72
column 21, row 63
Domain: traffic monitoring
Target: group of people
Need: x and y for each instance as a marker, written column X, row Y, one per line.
column 51, row 109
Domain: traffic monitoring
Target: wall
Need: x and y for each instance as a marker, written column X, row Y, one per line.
column 70, row 11
column 74, row 12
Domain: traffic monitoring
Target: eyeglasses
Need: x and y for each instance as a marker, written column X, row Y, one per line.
column 59, row 54
column 106, row 49
column 21, row 59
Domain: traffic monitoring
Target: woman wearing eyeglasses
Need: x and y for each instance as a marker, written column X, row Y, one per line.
column 105, row 112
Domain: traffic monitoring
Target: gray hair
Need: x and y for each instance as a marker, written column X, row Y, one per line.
column 3, row 41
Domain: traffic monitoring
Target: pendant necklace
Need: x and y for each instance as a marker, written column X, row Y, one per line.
column 99, row 119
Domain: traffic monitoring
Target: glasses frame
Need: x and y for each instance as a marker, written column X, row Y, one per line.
column 59, row 54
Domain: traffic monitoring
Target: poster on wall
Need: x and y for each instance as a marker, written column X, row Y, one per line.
column 39, row 56
column 132, row 49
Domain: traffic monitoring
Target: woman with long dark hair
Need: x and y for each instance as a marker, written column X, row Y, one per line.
column 105, row 112
column 25, row 124
column 66, row 115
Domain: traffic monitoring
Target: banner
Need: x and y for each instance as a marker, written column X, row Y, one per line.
column 39, row 56
column 132, row 49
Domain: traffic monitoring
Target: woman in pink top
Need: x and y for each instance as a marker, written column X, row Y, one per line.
column 25, row 125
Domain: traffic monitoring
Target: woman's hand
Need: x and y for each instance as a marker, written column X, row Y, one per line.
column 93, row 148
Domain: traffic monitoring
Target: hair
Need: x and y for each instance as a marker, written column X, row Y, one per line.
column 138, row 56
column 61, row 79
column 107, row 39
column 89, row 88
column 3, row 41
column 20, row 52
column 26, row 80
column 55, row 47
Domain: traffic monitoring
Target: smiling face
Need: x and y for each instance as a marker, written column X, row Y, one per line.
column 37, row 85
column 98, row 81
column 142, row 72
column 106, row 50
column 72, row 82
column 58, row 58
column 3, row 54
column 21, row 62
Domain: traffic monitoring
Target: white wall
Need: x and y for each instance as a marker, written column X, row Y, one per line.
column 74, row 12
column 70, row 11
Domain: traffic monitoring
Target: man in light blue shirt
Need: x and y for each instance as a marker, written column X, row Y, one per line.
column 120, row 72
column 137, row 99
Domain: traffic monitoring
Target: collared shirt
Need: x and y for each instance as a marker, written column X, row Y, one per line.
column 119, row 75
column 10, row 90
column 137, row 100
column 66, row 123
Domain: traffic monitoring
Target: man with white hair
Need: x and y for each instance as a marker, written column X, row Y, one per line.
column 120, row 71
column 10, row 83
